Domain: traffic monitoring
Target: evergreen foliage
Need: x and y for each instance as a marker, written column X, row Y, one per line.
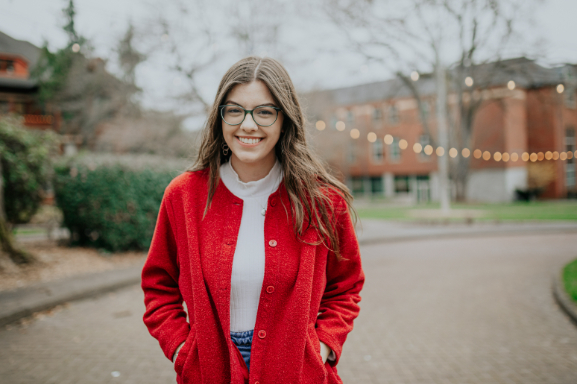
column 26, row 168
column 112, row 207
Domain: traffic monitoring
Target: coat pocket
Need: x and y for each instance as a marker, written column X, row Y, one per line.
column 314, row 370
column 183, row 359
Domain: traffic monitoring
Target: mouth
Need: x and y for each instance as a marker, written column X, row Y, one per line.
column 249, row 141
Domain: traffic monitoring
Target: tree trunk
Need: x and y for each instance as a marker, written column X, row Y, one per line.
column 7, row 245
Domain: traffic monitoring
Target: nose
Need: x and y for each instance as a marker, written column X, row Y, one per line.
column 248, row 124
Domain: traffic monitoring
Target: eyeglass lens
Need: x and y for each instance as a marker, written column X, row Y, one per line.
column 262, row 115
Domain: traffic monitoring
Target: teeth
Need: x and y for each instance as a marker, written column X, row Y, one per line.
column 248, row 141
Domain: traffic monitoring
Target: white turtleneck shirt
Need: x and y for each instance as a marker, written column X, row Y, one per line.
column 248, row 262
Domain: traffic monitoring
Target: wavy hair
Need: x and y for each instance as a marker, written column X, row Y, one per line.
column 306, row 180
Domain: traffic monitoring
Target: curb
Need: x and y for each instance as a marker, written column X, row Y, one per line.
column 26, row 301
column 562, row 297
column 464, row 235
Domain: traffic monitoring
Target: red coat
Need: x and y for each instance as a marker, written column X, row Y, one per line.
column 190, row 259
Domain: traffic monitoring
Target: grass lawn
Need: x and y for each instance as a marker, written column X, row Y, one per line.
column 518, row 211
column 570, row 279
column 29, row 231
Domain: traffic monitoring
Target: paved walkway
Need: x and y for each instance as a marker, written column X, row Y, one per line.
column 464, row 310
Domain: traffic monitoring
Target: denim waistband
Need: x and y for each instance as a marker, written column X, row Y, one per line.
column 242, row 338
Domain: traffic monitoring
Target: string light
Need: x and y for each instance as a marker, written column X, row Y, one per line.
column 454, row 152
column 469, row 81
column 560, row 88
column 340, row 126
column 75, row 47
column 511, row 85
column 414, row 75
column 320, row 125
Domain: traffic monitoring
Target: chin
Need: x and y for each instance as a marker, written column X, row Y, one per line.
column 249, row 158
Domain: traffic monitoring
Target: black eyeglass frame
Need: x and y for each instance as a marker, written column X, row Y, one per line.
column 247, row 111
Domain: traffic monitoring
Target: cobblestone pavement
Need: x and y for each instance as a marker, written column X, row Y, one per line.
column 433, row 311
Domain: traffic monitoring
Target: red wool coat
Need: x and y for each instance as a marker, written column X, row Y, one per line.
column 190, row 259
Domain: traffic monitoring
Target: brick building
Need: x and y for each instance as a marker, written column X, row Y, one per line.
column 526, row 118
column 18, row 91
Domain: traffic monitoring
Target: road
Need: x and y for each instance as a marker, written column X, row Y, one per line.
column 461, row 310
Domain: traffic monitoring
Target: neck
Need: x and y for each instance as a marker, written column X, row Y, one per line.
column 252, row 171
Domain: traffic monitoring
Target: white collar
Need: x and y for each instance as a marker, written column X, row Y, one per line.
column 258, row 188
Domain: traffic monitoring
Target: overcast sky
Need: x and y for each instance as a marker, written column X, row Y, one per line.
column 104, row 22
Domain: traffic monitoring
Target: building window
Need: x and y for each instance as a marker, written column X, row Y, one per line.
column 395, row 152
column 334, row 122
column 570, row 100
column 402, row 184
column 377, row 115
column 570, row 164
column 424, row 140
column 393, row 114
column 426, row 110
column 350, row 117
column 6, row 65
column 377, row 185
column 358, row 185
column 377, row 151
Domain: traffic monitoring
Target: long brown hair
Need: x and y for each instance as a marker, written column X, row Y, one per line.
column 306, row 180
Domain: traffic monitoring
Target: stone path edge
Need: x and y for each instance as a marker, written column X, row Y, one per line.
column 563, row 298
column 34, row 299
column 24, row 302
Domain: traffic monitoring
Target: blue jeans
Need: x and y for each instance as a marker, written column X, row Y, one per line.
column 243, row 340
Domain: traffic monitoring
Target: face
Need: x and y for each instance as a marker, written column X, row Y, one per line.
column 250, row 143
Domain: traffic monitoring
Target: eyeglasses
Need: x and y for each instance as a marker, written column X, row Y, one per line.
column 265, row 115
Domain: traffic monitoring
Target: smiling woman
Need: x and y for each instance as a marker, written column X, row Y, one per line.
column 258, row 240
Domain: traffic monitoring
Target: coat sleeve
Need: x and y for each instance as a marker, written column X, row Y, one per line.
column 164, row 316
column 345, row 279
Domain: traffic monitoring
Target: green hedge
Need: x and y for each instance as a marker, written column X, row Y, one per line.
column 110, row 206
column 570, row 279
column 26, row 170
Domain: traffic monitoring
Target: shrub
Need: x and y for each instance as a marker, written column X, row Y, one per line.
column 26, row 157
column 110, row 206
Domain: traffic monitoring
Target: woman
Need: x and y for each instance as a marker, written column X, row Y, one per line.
column 258, row 241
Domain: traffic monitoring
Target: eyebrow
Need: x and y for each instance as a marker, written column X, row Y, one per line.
column 260, row 105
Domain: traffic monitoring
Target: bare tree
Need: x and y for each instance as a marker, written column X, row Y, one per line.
column 454, row 39
column 199, row 39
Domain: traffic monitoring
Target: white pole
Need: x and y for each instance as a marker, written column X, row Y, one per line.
column 443, row 135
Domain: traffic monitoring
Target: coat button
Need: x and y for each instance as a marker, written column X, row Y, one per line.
column 262, row 334
column 272, row 202
column 270, row 289
column 256, row 382
column 272, row 243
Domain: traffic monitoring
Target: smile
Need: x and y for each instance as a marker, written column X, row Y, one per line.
column 250, row 140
